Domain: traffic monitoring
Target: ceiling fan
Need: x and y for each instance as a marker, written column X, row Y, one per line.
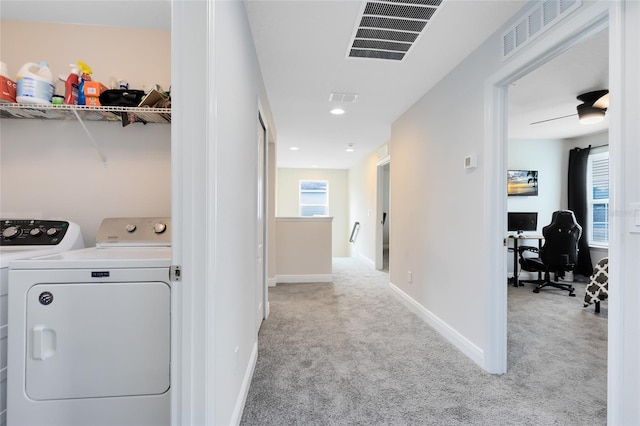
column 592, row 109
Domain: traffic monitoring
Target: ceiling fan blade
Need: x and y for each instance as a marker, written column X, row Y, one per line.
column 552, row 119
column 596, row 97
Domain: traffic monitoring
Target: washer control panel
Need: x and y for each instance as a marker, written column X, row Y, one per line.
column 135, row 231
column 32, row 232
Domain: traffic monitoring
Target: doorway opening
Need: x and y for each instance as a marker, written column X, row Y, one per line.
column 382, row 216
column 261, row 223
column 589, row 23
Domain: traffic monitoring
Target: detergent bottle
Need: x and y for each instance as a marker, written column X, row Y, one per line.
column 71, row 84
column 34, row 84
column 85, row 75
column 7, row 86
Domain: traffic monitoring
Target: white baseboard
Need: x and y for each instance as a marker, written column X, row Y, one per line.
column 271, row 282
column 458, row 340
column 366, row 260
column 244, row 388
column 312, row 278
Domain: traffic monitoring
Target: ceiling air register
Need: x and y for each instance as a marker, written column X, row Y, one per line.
column 388, row 29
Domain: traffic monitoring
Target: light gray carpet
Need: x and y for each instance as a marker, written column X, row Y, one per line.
column 350, row 353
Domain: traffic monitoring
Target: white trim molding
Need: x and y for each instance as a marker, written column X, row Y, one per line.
column 244, row 389
column 312, row 278
column 466, row 346
column 366, row 260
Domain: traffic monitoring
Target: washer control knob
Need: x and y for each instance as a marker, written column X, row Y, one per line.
column 159, row 228
column 11, row 232
column 52, row 231
column 35, row 232
column 130, row 227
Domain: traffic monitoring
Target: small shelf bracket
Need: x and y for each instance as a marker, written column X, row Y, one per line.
column 93, row 141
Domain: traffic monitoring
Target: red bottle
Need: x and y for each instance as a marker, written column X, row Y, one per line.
column 71, row 87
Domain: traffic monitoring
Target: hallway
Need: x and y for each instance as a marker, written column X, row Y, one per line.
column 349, row 352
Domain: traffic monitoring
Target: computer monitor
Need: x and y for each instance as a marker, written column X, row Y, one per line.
column 522, row 221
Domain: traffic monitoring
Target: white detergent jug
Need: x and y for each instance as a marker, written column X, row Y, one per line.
column 34, row 84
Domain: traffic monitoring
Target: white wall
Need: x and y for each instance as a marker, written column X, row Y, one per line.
column 362, row 207
column 219, row 89
column 438, row 209
column 437, row 205
column 49, row 169
column 550, row 159
column 288, row 188
column 624, row 152
column 304, row 249
column 239, row 89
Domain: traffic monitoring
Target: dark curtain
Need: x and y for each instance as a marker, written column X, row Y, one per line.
column 578, row 159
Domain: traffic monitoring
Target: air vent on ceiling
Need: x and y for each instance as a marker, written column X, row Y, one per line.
column 388, row 29
column 535, row 21
column 343, row 97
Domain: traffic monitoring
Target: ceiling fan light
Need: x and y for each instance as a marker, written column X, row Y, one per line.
column 590, row 115
column 602, row 102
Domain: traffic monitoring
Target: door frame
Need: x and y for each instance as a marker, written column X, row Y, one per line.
column 581, row 26
column 262, row 182
column 379, row 259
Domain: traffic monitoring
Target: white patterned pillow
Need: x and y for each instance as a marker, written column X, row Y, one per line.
column 598, row 287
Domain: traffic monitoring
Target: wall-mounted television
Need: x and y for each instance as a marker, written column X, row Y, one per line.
column 522, row 182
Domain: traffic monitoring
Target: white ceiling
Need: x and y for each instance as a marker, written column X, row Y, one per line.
column 551, row 90
column 131, row 14
column 302, row 47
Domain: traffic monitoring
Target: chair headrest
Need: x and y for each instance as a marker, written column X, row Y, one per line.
column 564, row 219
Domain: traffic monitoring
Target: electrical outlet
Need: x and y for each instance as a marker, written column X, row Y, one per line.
column 409, row 277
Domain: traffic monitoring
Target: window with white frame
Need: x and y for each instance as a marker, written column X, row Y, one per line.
column 314, row 198
column 598, row 197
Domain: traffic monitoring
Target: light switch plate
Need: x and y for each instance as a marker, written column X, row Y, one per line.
column 633, row 221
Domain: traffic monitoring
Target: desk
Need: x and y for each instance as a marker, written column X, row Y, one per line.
column 516, row 238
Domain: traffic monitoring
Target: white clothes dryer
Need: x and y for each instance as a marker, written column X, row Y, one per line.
column 90, row 331
column 22, row 239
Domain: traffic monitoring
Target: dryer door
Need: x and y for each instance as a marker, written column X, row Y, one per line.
column 90, row 340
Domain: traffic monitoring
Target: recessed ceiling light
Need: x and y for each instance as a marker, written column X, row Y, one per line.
column 337, row 111
column 350, row 148
column 294, row 148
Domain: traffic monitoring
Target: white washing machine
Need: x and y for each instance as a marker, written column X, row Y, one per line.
column 90, row 331
column 22, row 239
